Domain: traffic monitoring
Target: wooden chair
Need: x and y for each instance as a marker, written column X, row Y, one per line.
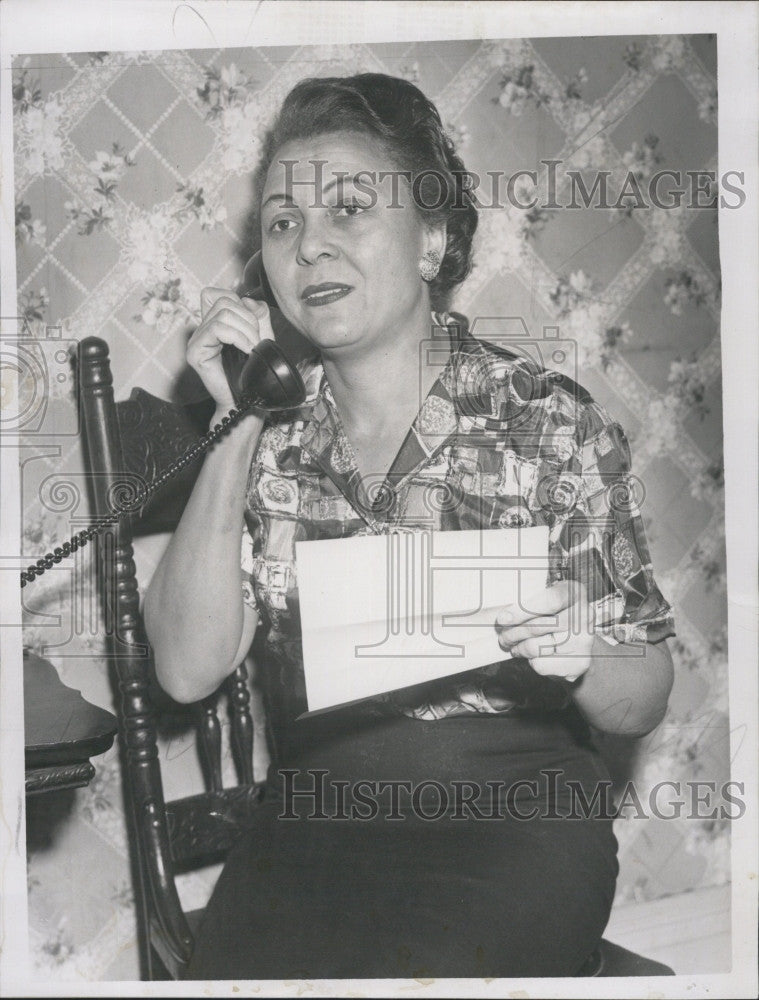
column 129, row 443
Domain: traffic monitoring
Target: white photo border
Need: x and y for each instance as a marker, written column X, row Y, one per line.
column 36, row 26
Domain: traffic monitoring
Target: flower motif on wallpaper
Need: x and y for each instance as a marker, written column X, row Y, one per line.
column 123, row 895
column 32, row 305
column 574, row 85
column 641, row 161
column 534, row 221
column 529, row 221
column 351, row 58
column 103, row 790
column 147, row 242
column 711, row 569
column 718, row 644
column 661, row 424
column 243, row 126
column 228, row 97
column 581, row 315
column 500, row 238
column 505, row 52
column 710, row 662
column 26, row 90
column 688, row 385
column 591, row 153
column 40, row 140
column 707, row 108
column 52, row 593
column 459, row 135
column 410, row 73
column 685, row 656
column 58, row 947
column 669, row 53
column 570, row 292
column 633, row 56
column 682, row 290
column 719, row 686
column 519, row 88
column 89, row 220
column 223, row 89
column 132, row 57
column 585, row 327
column 709, row 484
column 613, row 338
column 107, row 168
column 584, row 321
column 28, row 230
column 37, row 124
column 579, row 116
column 37, row 538
column 666, row 236
column 164, row 308
column 196, row 205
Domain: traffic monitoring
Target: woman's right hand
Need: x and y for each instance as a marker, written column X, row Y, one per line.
column 226, row 319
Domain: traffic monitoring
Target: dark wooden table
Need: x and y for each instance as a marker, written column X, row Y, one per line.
column 62, row 730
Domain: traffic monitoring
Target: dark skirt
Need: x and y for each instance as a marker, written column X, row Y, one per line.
column 483, row 853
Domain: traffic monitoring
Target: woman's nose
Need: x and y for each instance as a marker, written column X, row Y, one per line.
column 315, row 242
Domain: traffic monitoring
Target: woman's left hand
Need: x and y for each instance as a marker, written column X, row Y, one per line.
column 556, row 633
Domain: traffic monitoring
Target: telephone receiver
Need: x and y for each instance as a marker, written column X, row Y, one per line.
column 265, row 378
column 265, row 375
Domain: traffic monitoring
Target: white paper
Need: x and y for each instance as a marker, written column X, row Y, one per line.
column 384, row 612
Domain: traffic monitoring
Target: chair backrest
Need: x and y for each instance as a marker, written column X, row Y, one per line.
column 126, row 445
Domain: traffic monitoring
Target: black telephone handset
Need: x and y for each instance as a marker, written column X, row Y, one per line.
column 265, row 373
column 264, row 379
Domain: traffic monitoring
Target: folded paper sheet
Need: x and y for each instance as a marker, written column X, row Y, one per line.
column 383, row 612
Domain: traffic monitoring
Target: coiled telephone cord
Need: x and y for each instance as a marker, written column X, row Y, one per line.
column 35, row 570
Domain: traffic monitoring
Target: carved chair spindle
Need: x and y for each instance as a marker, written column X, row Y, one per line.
column 128, row 444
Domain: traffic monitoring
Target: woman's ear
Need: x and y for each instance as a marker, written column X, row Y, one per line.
column 435, row 239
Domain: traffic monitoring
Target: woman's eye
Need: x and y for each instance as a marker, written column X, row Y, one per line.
column 282, row 225
column 350, row 208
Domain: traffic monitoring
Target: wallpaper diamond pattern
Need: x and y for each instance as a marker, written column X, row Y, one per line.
column 133, row 192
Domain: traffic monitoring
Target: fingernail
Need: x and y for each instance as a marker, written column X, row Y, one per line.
column 504, row 617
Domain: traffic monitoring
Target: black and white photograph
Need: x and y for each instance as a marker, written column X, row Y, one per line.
column 379, row 509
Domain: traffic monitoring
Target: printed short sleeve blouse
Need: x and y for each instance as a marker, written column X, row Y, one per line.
column 498, row 442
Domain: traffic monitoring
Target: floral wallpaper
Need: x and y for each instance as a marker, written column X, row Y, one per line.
column 133, row 190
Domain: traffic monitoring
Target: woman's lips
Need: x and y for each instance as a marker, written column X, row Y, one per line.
column 322, row 295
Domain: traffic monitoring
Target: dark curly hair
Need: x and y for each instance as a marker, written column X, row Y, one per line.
column 408, row 125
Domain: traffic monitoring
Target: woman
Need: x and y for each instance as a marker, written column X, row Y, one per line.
column 366, row 227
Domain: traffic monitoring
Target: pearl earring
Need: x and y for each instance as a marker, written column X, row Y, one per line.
column 429, row 265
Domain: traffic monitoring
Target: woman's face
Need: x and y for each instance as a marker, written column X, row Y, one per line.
column 341, row 242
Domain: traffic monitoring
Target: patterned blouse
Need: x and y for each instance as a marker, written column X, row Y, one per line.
column 498, row 442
